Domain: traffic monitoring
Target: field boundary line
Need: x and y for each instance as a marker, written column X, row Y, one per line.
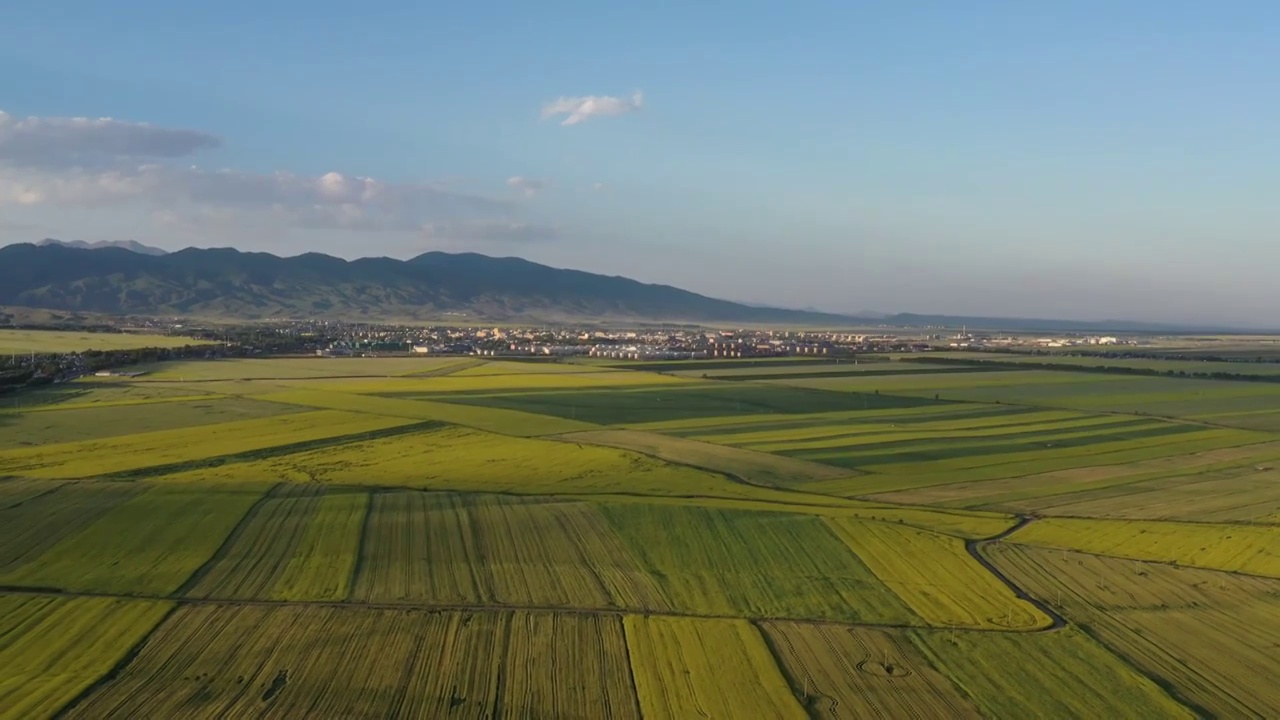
column 796, row 687
column 1166, row 563
column 274, row 451
column 37, row 496
column 357, row 568
column 116, row 669
column 230, row 540
column 429, row 607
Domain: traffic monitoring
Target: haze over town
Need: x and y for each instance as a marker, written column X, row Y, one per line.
column 1088, row 162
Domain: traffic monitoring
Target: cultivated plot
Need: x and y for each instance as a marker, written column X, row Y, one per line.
column 167, row 448
column 1252, row 549
column 846, row 672
column 210, row 661
column 106, row 420
column 149, row 544
column 297, row 543
column 19, row 342
column 936, row 577
column 1210, row 635
column 450, row 549
column 1059, row 674
column 629, row 406
column 706, row 668
column 754, row 564
column 54, row 648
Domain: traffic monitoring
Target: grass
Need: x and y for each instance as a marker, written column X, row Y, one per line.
column 708, row 668
column 104, row 456
column 860, row 672
column 935, row 576
column 298, row 543
column 21, row 342
column 52, row 649
column 149, row 544
column 1061, row 674
column 1239, row 548
column 1208, row 634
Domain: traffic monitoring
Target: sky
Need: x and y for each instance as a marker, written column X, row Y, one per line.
column 1082, row 160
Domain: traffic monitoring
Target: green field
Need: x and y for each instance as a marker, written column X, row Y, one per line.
column 19, row 342
column 438, row 537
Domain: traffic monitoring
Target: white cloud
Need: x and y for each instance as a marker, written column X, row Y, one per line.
column 528, row 186
column 331, row 200
column 578, row 109
column 101, row 166
column 55, row 142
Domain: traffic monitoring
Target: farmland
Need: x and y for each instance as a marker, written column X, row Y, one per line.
column 58, row 341
column 353, row 537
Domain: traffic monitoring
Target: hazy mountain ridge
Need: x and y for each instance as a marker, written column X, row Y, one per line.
column 228, row 283
column 130, row 245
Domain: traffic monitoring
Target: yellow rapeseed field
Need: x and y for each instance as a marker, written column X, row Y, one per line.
column 1253, row 549
column 706, row 668
column 52, row 649
column 936, row 577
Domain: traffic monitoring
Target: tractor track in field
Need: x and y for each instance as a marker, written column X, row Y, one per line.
column 975, row 551
column 487, row 607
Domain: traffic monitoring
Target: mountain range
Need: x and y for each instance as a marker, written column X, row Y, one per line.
column 127, row 277
column 130, row 245
column 228, row 283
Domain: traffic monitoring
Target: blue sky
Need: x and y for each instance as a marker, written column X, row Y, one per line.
column 1097, row 160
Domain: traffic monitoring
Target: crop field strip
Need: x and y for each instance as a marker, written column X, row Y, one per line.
column 52, row 649
column 697, row 399
column 1249, row 549
column 1211, row 635
column 753, row 467
column 1238, row 495
column 347, row 662
column 37, row 521
column 1058, row 674
column 709, row 668
column 1021, row 493
column 298, row 543
column 935, row 576
column 856, row 672
column 95, row 422
column 754, row 564
column 19, row 342
column 451, row 549
column 147, row 544
column 95, row 458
